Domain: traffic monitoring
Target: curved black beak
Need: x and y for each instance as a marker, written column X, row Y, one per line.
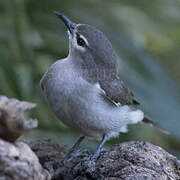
column 70, row 25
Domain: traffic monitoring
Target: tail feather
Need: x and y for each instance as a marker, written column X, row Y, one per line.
column 136, row 116
column 151, row 123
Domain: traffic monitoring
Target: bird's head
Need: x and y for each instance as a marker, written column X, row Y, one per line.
column 89, row 44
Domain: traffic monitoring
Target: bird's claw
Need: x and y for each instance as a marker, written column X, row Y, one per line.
column 94, row 157
column 63, row 161
column 90, row 159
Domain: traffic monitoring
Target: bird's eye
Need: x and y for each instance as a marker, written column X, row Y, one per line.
column 80, row 41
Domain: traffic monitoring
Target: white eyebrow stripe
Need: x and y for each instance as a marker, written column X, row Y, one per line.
column 81, row 36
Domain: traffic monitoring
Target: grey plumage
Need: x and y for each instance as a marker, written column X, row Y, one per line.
column 103, row 70
column 84, row 91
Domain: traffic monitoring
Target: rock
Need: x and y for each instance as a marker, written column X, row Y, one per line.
column 127, row 161
column 46, row 150
column 18, row 162
column 12, row 121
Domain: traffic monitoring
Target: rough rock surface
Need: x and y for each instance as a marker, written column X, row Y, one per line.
column 18, row 162
column 12, row 121
column 127, row 161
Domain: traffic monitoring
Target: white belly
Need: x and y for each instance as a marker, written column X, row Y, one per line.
column 80, row 105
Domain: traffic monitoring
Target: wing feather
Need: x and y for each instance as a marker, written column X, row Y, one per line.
column 118, row 92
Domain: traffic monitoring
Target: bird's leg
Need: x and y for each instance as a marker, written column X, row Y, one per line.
column 99, row 149
column 70, row 154
column 74, row 147
column 96, row 155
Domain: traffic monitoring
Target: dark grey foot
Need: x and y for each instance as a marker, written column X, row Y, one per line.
column 70, row 155
column 74, row 155
column 63, row 161
column 94, row 157
column 89, row 159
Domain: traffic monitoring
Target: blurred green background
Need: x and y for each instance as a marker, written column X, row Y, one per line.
column 145, row 35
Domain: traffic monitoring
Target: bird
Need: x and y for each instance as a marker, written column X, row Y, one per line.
column 84, row 90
